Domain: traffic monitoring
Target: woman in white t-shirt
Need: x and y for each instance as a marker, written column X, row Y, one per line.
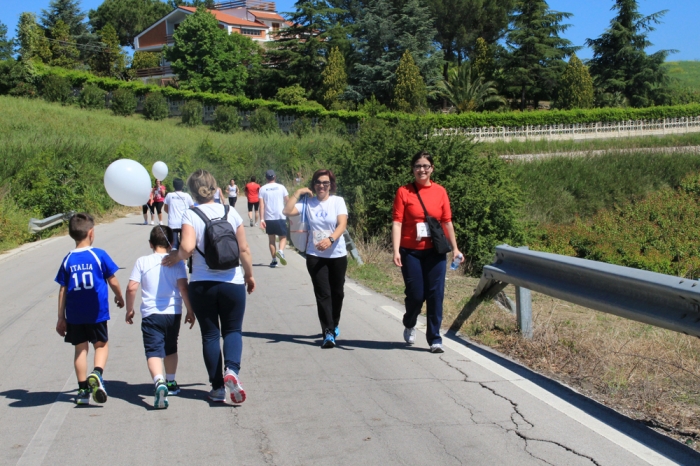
column 326, row 256
column 232, row 191
column 218, row 296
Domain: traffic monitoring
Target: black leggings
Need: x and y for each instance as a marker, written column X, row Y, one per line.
column 232, row 201
column 328, row 278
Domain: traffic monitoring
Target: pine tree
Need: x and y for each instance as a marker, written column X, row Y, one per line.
column 383, row 35
column 111, row 60
column 620, row 64
column 335, row 78
column 483, row 62
column 410, row 93
column 207, row 58
column 32, row 44
column 536, row 58
column 5, row 44
column 576, row 87
column 67, row 11
column 128, row 17
column 64, row 52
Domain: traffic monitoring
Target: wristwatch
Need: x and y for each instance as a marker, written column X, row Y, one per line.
column 332, row 240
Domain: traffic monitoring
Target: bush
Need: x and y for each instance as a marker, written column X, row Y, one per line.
column 192, row 113
column 292, row 95
column 123, row 102
column 226, row 119
column 14, row 72
column 300, row 127
column 263, row 121
column 92, row 97
column 484, row 199
column 25, row 90
column 56, row 89
column 328, row 125
column 155, row 107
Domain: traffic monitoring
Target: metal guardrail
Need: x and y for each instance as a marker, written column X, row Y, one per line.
column 38, row 225
column 661, row 300
column 352, row 248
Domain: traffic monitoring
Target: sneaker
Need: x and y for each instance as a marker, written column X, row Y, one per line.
column 160, row 400
column 145, row 222
column 218, row 395
column 436, row 348
column 328, row 341
column 336, row 332
column 152, row 222
column 97, row 387
column 409, row 334
column 251, row 223
column 273, row 264
column 280, row 256
column 173, row 387
column 83, row 397
column 233, row 386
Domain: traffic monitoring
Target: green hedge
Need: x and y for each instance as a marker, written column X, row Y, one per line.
column 465, row 120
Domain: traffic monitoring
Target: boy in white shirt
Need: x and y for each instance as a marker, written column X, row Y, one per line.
column 163, row 290
column 176, row 204
column 273, row 198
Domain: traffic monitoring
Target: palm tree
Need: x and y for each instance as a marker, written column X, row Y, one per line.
column 468, row 91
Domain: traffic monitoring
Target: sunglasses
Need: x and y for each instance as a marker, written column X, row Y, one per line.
column 325, row 184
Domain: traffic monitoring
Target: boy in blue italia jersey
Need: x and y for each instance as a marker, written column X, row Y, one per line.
column 83, row 305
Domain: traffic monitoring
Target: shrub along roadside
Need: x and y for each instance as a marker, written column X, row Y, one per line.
column 123, row 102
column 155, row 107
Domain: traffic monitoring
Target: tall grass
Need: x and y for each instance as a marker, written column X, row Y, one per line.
column 54, row 157
column 559, row 189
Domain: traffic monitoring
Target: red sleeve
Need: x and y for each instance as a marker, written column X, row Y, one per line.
column 446, row 210
column 399, row 205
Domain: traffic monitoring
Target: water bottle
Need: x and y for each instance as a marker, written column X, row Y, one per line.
column 455, row 263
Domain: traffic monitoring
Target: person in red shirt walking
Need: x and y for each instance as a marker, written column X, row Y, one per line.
column 251, row 191
column 423, row 269
column 158, row 194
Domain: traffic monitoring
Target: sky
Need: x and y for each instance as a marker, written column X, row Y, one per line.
column 590, row 18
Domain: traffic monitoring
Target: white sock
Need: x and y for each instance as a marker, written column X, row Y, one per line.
column 157, row 378
column 170, row 377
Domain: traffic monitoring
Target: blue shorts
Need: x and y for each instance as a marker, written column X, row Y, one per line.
column 160, row 332
column 276, row 227
column 80, row 333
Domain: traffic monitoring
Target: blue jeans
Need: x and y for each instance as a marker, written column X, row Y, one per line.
column 224, row 303
column 424, row 276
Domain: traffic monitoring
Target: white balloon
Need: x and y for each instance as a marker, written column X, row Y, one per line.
column 128, row 183
column 159, row 170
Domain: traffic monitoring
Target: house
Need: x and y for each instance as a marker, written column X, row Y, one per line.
column 256, row 19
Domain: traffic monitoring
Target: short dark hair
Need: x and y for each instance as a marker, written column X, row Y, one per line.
column 79, row 225
column 252, row 178
column 161, row 236
column 178, row 184
column 323, row 172
column 421, row 155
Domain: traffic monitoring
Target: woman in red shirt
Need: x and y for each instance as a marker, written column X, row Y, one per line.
column 158, row 195
column 423, row 269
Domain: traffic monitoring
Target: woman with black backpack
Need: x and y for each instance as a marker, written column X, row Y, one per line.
column 222, row 272
column 422, row 233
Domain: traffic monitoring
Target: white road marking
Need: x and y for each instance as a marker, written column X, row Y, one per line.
column 357, row 289
column 638, row 449
column 36, row 451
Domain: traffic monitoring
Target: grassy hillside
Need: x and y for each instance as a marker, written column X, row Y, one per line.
column 53, row 157
column 685, row 73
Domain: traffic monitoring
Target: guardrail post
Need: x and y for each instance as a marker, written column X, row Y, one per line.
column 352, row 248
column 523, row 309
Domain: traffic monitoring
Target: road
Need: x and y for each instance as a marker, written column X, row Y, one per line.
column 372, row 400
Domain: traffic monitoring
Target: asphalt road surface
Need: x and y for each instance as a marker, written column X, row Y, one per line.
column 371, row 400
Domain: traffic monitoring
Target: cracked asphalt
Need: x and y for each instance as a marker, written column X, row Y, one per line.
column 372, row 400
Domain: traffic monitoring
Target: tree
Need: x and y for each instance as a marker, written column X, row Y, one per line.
column 468, row 91
column 483, row 63
column 64, row 52
column 209, row 4
column 111, row 59
column 576, row 90
column 460, row 23
column 620, row 63
column 128, row 17
column 31, row 41
column 67, row 11
column 383, row 36
column 5, row 44
column 410, row 93
column 298, row 56
column 143, row 60
column 536, row 58
column 207, row 58
column 335, row 78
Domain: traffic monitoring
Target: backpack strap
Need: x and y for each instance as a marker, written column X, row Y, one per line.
column 425, row 211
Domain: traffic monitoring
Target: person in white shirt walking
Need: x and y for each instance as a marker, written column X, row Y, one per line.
column 176, row 204
column 273, row 198
column 232, row 191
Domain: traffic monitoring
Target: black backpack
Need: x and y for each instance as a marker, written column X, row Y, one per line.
column 220, row 242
